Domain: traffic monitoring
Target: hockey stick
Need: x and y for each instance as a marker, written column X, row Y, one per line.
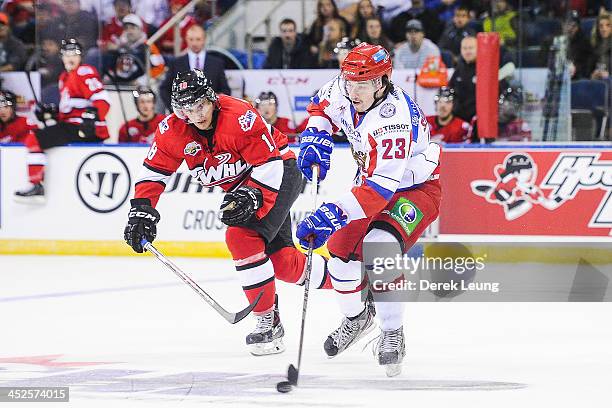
column 230, row 317
column 293, row 372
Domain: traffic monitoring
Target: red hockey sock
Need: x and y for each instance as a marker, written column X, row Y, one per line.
column 289, row 265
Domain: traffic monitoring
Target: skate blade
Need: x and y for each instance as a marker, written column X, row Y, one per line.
column 361, row 336
column 30, row 200
column 263, row 349
column 393, row 370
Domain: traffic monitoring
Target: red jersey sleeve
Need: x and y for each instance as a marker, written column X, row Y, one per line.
column 258, row 148
column 124, row 136
column 162, row 160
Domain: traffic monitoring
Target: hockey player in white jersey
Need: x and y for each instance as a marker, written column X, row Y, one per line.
column 396, row 192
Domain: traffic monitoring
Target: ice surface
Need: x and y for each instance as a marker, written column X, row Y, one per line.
column 127, row 332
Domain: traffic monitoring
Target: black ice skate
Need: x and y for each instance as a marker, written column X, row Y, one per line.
column 350, row 331
column 33, row 195
column 390, row 351
column 267, row 338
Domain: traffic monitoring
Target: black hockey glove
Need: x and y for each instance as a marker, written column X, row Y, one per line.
column 239, row 206
column 142, row 221
column 89, row 117
column 45, row 112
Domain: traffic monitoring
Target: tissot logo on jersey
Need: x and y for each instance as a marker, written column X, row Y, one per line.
column 399, row 127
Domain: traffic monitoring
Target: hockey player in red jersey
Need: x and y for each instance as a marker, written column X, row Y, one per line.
column 80, row 118
column 267, row 106
column 19, row 129
column 226, row 143
column 395, row 197
column 445, row 126
column 142, row 129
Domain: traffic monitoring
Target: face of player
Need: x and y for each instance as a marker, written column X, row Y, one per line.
column 146, row 106
column 373, row 28
column 71, row 61
column 267, row 109
column 363, row 93
column 444, row 108
column 200, row 114
column 6, row 113
column 469, row 49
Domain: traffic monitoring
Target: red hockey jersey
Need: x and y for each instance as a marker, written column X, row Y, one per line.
column 16, row 130
column 456, row 131
column 244, row 150
column 80, row 89
column 137, row 131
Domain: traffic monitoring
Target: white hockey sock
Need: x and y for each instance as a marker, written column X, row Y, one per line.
column 346, row 279
column 390, row 314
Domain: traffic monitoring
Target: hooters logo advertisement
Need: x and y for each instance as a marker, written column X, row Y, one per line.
column 560, row 192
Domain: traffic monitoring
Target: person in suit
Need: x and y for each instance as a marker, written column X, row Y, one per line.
column 196, row 57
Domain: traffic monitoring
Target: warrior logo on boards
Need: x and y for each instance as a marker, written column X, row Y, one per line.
column 515, row 188
column 103, row 182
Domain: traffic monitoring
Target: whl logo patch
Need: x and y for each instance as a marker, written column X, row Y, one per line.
column 247, row 120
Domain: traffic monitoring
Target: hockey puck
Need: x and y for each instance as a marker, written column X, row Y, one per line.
column 284, row 387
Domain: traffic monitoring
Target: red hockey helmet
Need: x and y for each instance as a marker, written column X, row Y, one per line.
column 365, row 62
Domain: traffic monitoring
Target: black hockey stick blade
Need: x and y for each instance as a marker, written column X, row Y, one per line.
column 244, row 312
column 292, row 375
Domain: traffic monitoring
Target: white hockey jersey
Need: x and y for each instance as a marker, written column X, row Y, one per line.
column 390, row 145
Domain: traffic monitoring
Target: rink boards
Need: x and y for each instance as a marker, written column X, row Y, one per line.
column 511, row 194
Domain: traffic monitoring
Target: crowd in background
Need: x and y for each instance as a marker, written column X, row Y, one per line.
column 420, row 34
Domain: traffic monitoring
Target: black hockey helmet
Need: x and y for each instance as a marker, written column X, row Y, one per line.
column 143, row 90
column 189, row 88
column 7, row 98
column 71, row 46
column 446, row 94
column 266, row 97
column 510, row 104
column 346, row 44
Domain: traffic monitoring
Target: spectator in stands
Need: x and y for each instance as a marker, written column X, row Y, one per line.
column 101, row 9
column 21, row 14
column 48, row 62
column 511, row 126
column 267, row 105
column 334, row 31
column 432, row 25
column 76, row 23
column 112, row 30
column 505, row 20
column 81, row 117
column 456, row 30
column 326, row 11
column 152, row 12
column 444, row 126
column 413, row 53
column 463, row 80
column 389, row 10
column 602, row 46
column 12, row 51
column 142, row 129
column 579, row 51
column 344, row 47
column 374, row 35
column 445, row 9
column 166, row 41
column 128, row 62
column 365, row 11
column 196, row 57
column 289, row 51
